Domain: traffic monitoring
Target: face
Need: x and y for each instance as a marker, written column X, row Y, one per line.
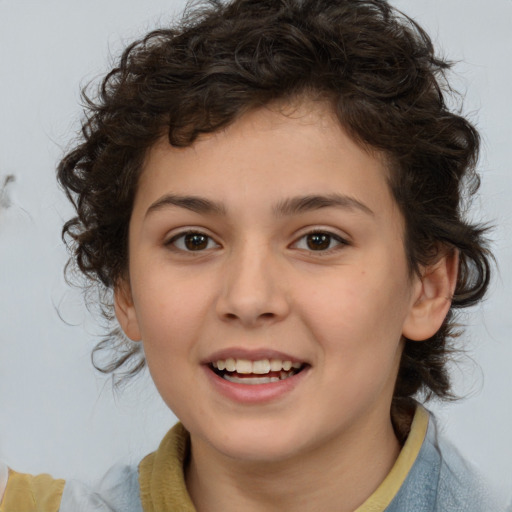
column 269, row 285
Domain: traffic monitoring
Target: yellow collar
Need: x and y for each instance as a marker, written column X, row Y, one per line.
column 162, row 481
column 161, row 477
column 388, row 489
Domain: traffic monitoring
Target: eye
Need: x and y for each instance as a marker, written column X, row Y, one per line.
column 319, row 241
column 192, row 241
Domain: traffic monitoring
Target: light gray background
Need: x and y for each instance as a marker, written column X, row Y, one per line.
column 57, row 415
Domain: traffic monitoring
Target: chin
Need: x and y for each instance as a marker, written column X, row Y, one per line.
column 266, row 450
column 256, row 441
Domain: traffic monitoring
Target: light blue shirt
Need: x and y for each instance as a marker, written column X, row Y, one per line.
column 440, row 480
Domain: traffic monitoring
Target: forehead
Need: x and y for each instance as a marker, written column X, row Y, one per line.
column 265, row 157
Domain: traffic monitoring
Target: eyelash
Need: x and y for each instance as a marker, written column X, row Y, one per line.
column 339, row 241
column 327, row 237
column 173, row 241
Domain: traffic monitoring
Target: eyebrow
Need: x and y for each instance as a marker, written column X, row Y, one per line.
column 287, row 207
column 193, row 203
column 308, row 203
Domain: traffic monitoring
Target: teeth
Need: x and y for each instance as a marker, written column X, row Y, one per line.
column 243, row 366
column 260, row 367
column 251, row 380
column 276, row 365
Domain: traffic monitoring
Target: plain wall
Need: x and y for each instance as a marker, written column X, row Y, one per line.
column 57, row 414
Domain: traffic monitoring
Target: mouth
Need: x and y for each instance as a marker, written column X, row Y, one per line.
column 262, row 371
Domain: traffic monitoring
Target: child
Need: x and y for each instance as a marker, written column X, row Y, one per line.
column 271, row 193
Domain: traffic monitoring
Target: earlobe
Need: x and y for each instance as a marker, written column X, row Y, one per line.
column 432, row 297
column 125, row 311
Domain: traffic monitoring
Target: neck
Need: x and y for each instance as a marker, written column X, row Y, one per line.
column 336, row 476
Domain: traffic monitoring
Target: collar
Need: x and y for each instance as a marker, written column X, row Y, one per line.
column 162, row 479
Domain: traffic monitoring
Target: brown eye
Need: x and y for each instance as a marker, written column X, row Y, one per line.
column 195, row 241
column 192, row 242
column 318, row 241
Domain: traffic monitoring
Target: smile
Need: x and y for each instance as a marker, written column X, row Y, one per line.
column 263, row 371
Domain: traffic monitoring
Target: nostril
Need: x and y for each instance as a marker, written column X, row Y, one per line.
column 264, row 316
column 251, row 308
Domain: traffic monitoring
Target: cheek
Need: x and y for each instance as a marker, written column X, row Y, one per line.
column 173, row 310
column 170, row 326
column 357, row 312
column 358, row 330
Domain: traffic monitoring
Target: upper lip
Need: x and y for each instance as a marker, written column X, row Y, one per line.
column 251, row 355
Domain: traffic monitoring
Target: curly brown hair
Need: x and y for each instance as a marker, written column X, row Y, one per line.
column 377, row 69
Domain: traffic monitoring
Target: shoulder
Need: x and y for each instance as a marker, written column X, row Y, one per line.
column 117, row 491
column 30, row 493
column 441, row 480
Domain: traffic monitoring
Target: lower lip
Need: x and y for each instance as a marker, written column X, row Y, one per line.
column 255, row 393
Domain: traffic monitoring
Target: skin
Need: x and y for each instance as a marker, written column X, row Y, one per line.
column 258, row 285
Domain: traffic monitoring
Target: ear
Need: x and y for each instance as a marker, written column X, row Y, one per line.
column 125, row 311
column 432, row 298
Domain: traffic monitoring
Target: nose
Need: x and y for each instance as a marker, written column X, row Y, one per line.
column 254, row 290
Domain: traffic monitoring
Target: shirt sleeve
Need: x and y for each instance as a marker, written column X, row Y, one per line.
column 30, row 493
